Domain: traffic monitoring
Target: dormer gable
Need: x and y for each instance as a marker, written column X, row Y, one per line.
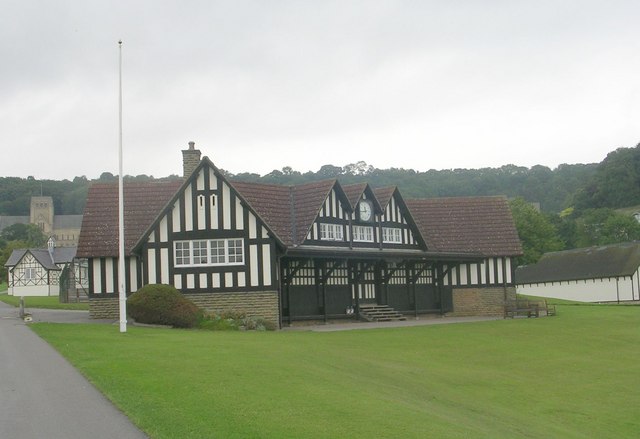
column 397, row 225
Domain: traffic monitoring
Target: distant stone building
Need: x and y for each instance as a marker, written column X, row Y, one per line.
column 64, row 229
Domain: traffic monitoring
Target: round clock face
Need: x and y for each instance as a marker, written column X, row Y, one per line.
column 366, row 212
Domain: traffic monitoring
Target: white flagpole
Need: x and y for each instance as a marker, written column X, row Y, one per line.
column 121, row 276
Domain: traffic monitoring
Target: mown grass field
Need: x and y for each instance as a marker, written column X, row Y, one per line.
column 575, row 375
column 46, row 302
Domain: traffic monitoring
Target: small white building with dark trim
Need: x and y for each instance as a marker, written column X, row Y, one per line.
column 609, row 273
column 36, row 271
column 313, row 251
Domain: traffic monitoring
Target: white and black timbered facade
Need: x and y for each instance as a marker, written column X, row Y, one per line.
column 312, row 251
column 37, row 271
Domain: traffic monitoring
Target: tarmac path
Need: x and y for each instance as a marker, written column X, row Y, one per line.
column 42, row 395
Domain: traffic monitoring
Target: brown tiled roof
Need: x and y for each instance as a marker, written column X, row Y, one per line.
column 474, row 224
column 307, row 202
column 272, row 203
column 383, row 194
column 354, row 192
column 142, row 204
column 583, row 263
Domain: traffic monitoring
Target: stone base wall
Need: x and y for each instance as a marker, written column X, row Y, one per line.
column 255, row 304
column 104, row 308
column 481, row 301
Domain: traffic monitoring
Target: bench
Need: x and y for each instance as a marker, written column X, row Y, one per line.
column 528, row 308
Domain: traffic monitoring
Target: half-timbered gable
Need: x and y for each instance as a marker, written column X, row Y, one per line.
column 322, row 210
column 98, row 242
column 397, row 226
column 208, row 239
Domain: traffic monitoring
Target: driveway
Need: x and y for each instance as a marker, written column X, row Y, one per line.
column 42, row 395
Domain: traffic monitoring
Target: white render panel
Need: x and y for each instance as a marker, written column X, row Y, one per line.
column 152, row 237
column 164, row 265
column 228, row 279
column 133, row 273
column 253, row 262
column 508, row 263
column 97, row 276
column 188, row 209
column 202, row 212
column 203, row 280
column 463, row 274
column 226, row 207
column 214, row 212
column 265, row 233
column 491, row 263
column 151, row 266
column 108, row 272
column 200, row 180
column 164, row 229
column 474, row 274
column 242, row 279
column 239, row 215
column 175, row 212
column 191, row 281
column 483, row 272
column 213, row 181
column 266, row 264
column 252, row 226
column 500, row 276
column 177, row 281
column 590, row 290
column 215, row 280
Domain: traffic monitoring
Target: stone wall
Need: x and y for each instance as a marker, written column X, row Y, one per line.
column 104, row 308
column 257, row 304
column 481, row 301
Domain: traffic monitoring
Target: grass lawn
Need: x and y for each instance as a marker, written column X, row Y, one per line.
column 575, row 375
column 47, row 302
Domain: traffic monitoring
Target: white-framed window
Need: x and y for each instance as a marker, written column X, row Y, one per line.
column 392, row 235
column 331, row 232
column 209, row 252
column 30, row 273
column 363, row 234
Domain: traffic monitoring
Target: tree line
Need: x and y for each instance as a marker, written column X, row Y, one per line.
column 577, row 202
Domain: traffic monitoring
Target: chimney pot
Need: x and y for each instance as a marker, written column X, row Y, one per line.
column 192, row 145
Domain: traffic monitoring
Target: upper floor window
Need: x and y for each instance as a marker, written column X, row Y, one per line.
column 392, row 235
column 209, row 252
column 363, row 233
column 331, row 232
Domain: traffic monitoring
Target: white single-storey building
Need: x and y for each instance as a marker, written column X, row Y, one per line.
column 607, row 273
column 36, row 271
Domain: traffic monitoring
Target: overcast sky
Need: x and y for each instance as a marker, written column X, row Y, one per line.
column 260, row 85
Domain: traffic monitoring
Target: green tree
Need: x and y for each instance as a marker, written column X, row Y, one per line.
column 605, row 226
column 27, row 233
column 537, row 233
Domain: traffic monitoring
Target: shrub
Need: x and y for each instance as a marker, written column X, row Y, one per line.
column 234, row 321
column 163, row 305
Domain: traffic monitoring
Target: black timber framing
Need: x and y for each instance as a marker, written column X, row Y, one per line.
column 324, row 266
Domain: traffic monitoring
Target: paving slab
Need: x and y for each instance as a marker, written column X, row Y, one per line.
column 42, row 395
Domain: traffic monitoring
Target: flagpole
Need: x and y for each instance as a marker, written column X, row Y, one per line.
column 121, row 274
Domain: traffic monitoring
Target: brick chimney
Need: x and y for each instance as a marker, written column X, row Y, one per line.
column 190, row 159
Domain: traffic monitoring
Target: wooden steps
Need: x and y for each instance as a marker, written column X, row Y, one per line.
column 380, row 313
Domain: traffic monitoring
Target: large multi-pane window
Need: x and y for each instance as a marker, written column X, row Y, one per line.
column 209, row 252
column 331, row 232
column 392, row 235
column 363, row 233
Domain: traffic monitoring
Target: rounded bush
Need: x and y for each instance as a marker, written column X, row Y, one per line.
column 162, row 305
